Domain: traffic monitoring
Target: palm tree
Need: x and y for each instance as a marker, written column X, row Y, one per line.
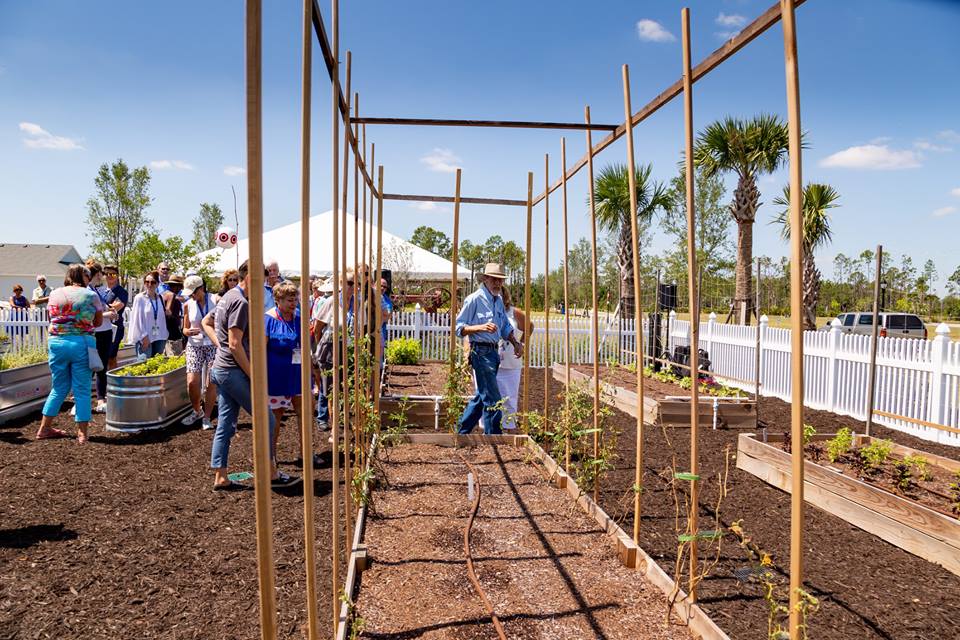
column 749, row 148
column 817, row 200
column 612, row 194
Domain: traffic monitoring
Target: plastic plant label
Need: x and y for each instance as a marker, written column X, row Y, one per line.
column 686, row 476
column 240, row 476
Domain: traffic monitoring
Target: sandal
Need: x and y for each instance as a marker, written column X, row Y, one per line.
column 82, row 438
column 229, row 486
column 52, row 434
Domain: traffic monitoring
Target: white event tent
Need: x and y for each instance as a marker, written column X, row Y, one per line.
column 283, row 244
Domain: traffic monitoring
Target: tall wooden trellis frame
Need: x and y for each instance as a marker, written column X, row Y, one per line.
column 313, row 25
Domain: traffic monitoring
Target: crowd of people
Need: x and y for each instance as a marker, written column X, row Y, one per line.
column 175, row 314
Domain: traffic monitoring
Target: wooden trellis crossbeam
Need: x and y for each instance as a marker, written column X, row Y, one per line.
column 503, row 124
column 451, row 199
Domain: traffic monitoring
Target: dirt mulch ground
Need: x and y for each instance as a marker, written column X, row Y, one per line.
column 867, row 587
column 426, row 379
column 547, row 568
column 124, row 538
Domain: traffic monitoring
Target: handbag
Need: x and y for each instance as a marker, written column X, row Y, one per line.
column 96, row 364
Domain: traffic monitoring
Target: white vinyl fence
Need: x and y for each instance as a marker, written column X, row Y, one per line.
column 917, row 379
column 23, row 328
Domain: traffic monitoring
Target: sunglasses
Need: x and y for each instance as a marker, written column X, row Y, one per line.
column 149, row 282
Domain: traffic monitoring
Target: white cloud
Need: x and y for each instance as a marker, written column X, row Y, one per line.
column 881, row 140
column 732, row 20
column 233, row 170
column 944, row 211
column 949, row 135
column 432, row 207
column 653, row 31
column 925, row 145
column 39, row 138
column 179, row 165
column 955, row 192
column 441, row 160
column 872, row 156
column 726, row 35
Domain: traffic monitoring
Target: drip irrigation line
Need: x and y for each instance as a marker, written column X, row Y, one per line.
column 466, row 550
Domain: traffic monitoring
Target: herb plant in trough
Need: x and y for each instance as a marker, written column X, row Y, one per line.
column 155, row 366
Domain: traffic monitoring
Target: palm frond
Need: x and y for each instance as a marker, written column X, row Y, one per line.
column 818, row 199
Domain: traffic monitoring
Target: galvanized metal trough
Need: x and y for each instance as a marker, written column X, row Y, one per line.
column 139, row 403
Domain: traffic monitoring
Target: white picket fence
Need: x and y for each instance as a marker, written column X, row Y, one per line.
column 24, row 328
column 917, row 379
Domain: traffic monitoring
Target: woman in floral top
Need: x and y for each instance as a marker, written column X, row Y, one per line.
column 75, row 312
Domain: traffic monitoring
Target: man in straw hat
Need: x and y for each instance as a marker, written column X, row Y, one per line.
column 483, row 319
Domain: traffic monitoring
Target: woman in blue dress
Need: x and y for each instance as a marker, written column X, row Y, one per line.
column 283, row 354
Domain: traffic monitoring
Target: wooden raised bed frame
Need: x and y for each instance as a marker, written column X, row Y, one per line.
column 741, row 414
column 899, row 521
column 629, row 554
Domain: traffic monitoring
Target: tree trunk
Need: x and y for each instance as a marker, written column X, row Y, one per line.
column 625, row 259
column 811, row 291
column 746, row 199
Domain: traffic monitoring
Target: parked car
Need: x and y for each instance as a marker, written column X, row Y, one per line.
column 892, row 325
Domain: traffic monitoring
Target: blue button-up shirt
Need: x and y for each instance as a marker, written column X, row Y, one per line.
column 481, row 307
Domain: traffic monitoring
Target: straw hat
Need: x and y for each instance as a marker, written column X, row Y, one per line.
column 494, row 270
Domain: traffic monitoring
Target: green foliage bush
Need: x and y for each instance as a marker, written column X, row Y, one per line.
column 403, row 351
column 839, row 444
column 22, row 358
column 875, row 454
column 155, row 366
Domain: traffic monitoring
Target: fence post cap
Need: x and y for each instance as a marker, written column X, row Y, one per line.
column 835, row 324
column 713, row 316
column 764, row 319
column 673, row 314
column 417, row 307
column 943, row 329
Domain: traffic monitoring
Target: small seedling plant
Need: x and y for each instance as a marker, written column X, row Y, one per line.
column 456, row 387
column 840, row 444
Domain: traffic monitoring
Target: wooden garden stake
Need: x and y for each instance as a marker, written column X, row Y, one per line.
column 526, row 299
column 343, row 373
column 756, row 361
column 694, row 306
column 337, row 354
column 566, row 295
column 637, row 308
column 872, row 383
column 306, row 382
column 454, row 274
column 258, row 346
column 796, row 310
column 379, row 338
column 595, row 326
column 546, row 291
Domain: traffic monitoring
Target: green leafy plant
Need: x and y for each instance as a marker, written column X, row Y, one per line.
column 955, row 494
column 22, row 358
column 455, row 388
column 920, row 466
column 875, row 454
column 397, row 422
column 839, row 444
column 403, row 351
column 902, row 478
column 808, row 432
column 155, row 366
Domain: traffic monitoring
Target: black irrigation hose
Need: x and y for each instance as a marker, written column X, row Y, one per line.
column 466, row 550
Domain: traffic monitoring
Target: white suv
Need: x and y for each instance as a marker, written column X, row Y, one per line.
column 892, row 325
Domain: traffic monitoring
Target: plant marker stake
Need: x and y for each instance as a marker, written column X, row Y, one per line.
column 306, row 399
column 872, row 384
column 694, row 304
column 335, row 410
column 470, row 487
column 796, row 310
column 637, row 313
column 258, row 347
column 566, row 296
column 595, row 325
column 546, row 292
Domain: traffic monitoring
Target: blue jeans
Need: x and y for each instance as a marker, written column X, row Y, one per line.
column 155, row 348
column 485, row 362
column 233, row 394
column 70, row 367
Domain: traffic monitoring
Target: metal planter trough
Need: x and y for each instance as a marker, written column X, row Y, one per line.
column 139, row 403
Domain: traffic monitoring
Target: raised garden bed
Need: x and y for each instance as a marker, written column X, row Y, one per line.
column 138, row 402
column 549, row 569
column 916, row 519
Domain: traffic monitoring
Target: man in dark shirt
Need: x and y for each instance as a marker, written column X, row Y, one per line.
column 117, row 299
column 228, row 326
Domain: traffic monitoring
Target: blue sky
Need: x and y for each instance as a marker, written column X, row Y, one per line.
column 161, row 84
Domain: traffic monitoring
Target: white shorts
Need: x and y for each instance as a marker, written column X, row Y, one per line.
column 280, row 402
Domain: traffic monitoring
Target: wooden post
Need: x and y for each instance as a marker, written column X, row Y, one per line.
column 381, row 346
column 376, row 301
column 526, row 299
column 872, row 383
column 546, row 291
column 694, row 306
column 756, row 362
column 337, row 353
column 262, row 462
column 566, row 293
column 306, row 382
column 344, row 377
column 595, row 319
column 637, row 306
column 454, row 275
column 796, row 310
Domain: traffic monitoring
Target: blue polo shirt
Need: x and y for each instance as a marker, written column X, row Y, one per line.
column 481, row 307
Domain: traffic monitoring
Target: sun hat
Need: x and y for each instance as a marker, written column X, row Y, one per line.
column 41, row 277
column 191, row 284
column 326, row 287
column 494, row 270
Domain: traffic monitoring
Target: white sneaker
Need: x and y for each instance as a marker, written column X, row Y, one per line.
column 101, row 407
column 207, row 425
column 191, row 418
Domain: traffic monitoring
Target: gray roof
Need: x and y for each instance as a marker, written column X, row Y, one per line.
column 33, row 259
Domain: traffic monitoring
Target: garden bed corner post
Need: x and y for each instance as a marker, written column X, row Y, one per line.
column 258, row 348
column 796, row 310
